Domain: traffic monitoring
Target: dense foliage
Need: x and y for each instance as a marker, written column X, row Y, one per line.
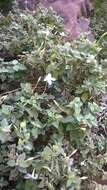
column 49, row 134
column 99, row 20
column 6, row 5
column 99, row 25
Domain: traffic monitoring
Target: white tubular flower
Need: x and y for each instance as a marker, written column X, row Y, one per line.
column 32, row 176
column 49, row 79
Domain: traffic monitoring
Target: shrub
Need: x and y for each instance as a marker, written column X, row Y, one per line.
column 49, row 138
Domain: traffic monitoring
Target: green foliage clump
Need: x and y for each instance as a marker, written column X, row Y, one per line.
column 99, row 26
column 5, row 5
column 48, row 139
column 99, row 18
column 10, row 71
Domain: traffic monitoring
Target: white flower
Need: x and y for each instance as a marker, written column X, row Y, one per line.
column 83, row 163
column 91, row 59
column 15, row 62
column 62, row 34
column 45, row 32
column 49, row 79
column 31, row 176
column 84, row 177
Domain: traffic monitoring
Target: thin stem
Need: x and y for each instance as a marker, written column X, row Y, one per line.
column 36, row 84
column 9, row 92
column 45, row 88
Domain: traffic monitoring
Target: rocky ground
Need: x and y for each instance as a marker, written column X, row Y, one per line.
column 76, row 14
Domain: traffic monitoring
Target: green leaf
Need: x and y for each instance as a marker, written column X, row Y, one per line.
column 23, row 124
column 19, row 67
column 5, row 127
column 6, row 109
column 21, row 158
column 85, row 96
column 11, row 163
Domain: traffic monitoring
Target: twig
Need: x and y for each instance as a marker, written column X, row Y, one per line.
column 60, row 108
column 74, row 152
column 2, row 99
column 45, row 88
column 36, row 84
column 9, row 92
